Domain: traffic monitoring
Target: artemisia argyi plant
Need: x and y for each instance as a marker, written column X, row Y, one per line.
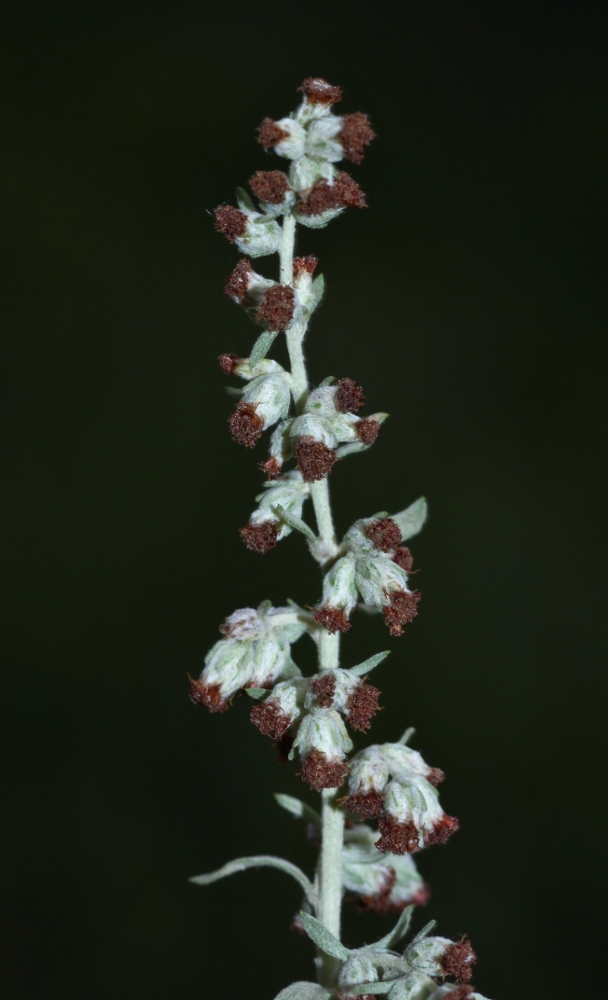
column 309, row 718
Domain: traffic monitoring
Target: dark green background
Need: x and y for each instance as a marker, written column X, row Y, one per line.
column 469, row 300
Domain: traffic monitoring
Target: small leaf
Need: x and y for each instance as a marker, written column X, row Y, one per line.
column 328, row 381
column 323, row 938
column 256, row 693
column 264, row 608
column 261, row 347
column 259, row 861
column 375, row 988
column 399, row 930
column 305, row 991
column 351, row 449
column 298, row 808
column 411, row 520
column 407, row 736
column 367, row 665
column 295, row 522
column 316, row 293
column 423, row 933
column 244, row 201
column 381, row 514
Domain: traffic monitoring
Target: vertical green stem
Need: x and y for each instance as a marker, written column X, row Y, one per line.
column 329, row 868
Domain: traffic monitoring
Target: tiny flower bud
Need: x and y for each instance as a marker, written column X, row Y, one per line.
column 252, row 232
column 243, row 624
column 245, row 286
column 264, row 401
column 230, row 222
column 384, row 533
column 318, row 91
column 229, row 363
column 368, row 431
column 349, row 397
column 270, row 133
column 322, row 743
column 271, row 467
column 270, row 186
column 314, row 459
column 277, row 306
column 304, row 265
column 339, row 596
column 355, row 134
column 327, row 200
column 357, row 969
column 286, row 136
column 281, row 709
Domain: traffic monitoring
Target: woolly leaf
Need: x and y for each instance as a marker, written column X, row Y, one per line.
column 295, row 522
column 411, row 520
column 367, row 665
column 259, row 861
column 399, row 930
column 244, row 201
column 305, row 991
column 423, row 933
column 375, row 988
column 261, row 347
column 298, row 808
column 323, row 938
column 316, row 292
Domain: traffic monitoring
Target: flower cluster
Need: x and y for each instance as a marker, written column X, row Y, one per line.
column 392, row 782
column 375, row 570
column 387, row 882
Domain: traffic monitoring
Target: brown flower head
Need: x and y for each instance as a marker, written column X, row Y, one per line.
column 320, row 772
column 355, row 135
column 362, row 706
column 270, row 186
column 323, row 196
column 271, row 468
column 399, row 838
column 304, row 265
column 459, row 959
column 228, row 363
column 333, row 619
column 246, row 425
column 442, row 831
column 364, row 804
column 314, row 459
column 270, row 720
column 208, row 695
column 277, row 307
column 325, row 689
column 401, row 610
column 384, row 533
column 270, row 134
column 349, row 396
column 318, row 91
column 230, row 222
column 260, row 537
column 368, row 430
column 237, row 285
column 404, row 558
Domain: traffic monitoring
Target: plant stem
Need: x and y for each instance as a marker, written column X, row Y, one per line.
column 329, row 868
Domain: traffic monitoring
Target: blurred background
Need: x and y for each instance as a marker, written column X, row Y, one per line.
column 469, row 301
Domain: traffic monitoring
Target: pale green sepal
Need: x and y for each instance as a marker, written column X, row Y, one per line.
column 367, row 665
column 295, row 522
column 407, row 736
column 244, row 201
column 316, row 292
column 259, row 861
column 328, row 381
column 380, row 514
column 375, row 988
column 411, row 520
column 298, row 808
column 399, row 930
column 305, row 991
column 423, row 933
column 261, row 347
column 256, row 693
column 264, row 608
column 323, row 938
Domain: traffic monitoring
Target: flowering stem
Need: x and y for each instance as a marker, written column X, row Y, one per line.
column 329, row 870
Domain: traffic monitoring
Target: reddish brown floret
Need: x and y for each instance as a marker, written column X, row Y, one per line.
column 460, row 992
column 276, row 307
column 208, row 695
column 442, row 831
column 333, row 619
column 260, row 537
column 238, row 282
column 271, row 467
column 349, row 396
column 401, row 611
column 435, row 776
column 404, row 558
column 228, row 363
column 245, row 425
column 362, row 706
column 269, row 133
column 320, row 773
column 270, row 720
column 325, row 689
column 382, row 903
column 314, row 459
column 230, row 222
column 364, row 804
column 368, row 430
column 304, row 264
column 270, row 186
column 323, row 196
column 319, row 91
column 399, row 838
column 355, row 135
column 458, row 960
column 384, row 533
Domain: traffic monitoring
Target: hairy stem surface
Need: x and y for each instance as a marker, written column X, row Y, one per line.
column 329, row 869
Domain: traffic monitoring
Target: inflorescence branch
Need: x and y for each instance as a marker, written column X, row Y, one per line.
column 309, row 717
